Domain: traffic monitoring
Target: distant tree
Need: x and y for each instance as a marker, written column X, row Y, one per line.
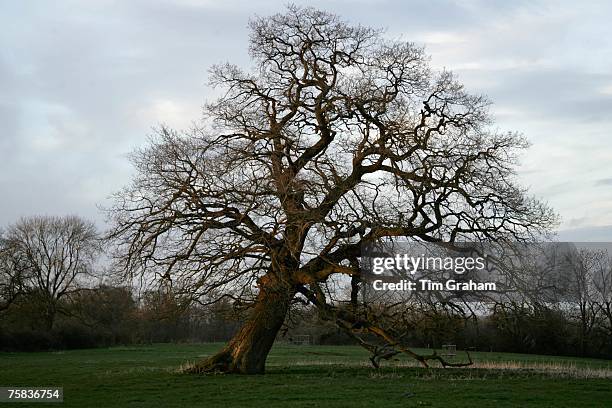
column 337, row 138
column 110, row 310
column 602, row 283
column 11, row 274
column 166, row 320
column 45, row 257
column 585, row 264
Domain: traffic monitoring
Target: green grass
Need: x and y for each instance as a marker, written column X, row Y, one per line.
column 308, row 376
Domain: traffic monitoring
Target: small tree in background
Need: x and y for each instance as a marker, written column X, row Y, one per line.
column 46, row 256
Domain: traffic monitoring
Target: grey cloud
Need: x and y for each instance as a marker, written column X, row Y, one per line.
column 555, row 94
column 604, row 182
column 586, row 234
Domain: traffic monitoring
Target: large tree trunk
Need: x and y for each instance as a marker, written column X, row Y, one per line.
column 247, row 351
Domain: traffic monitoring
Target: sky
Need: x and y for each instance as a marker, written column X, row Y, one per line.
column 84, row 83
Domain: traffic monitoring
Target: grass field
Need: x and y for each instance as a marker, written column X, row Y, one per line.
column 307, row 376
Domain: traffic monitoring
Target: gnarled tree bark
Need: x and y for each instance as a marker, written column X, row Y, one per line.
column 247, row 351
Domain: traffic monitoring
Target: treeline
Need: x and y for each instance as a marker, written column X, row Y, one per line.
column 48, row 264
column 110, row 315
column 552, row 329
column 518, row 328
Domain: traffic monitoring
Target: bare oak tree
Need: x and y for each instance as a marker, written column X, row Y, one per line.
column 44, row 256
column 336, row 138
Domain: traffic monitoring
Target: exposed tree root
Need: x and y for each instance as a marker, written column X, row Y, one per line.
column 219, row 363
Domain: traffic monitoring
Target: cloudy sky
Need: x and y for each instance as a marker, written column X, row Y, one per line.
column 83, row 82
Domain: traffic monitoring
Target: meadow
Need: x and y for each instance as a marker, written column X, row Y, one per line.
column 307, row 376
